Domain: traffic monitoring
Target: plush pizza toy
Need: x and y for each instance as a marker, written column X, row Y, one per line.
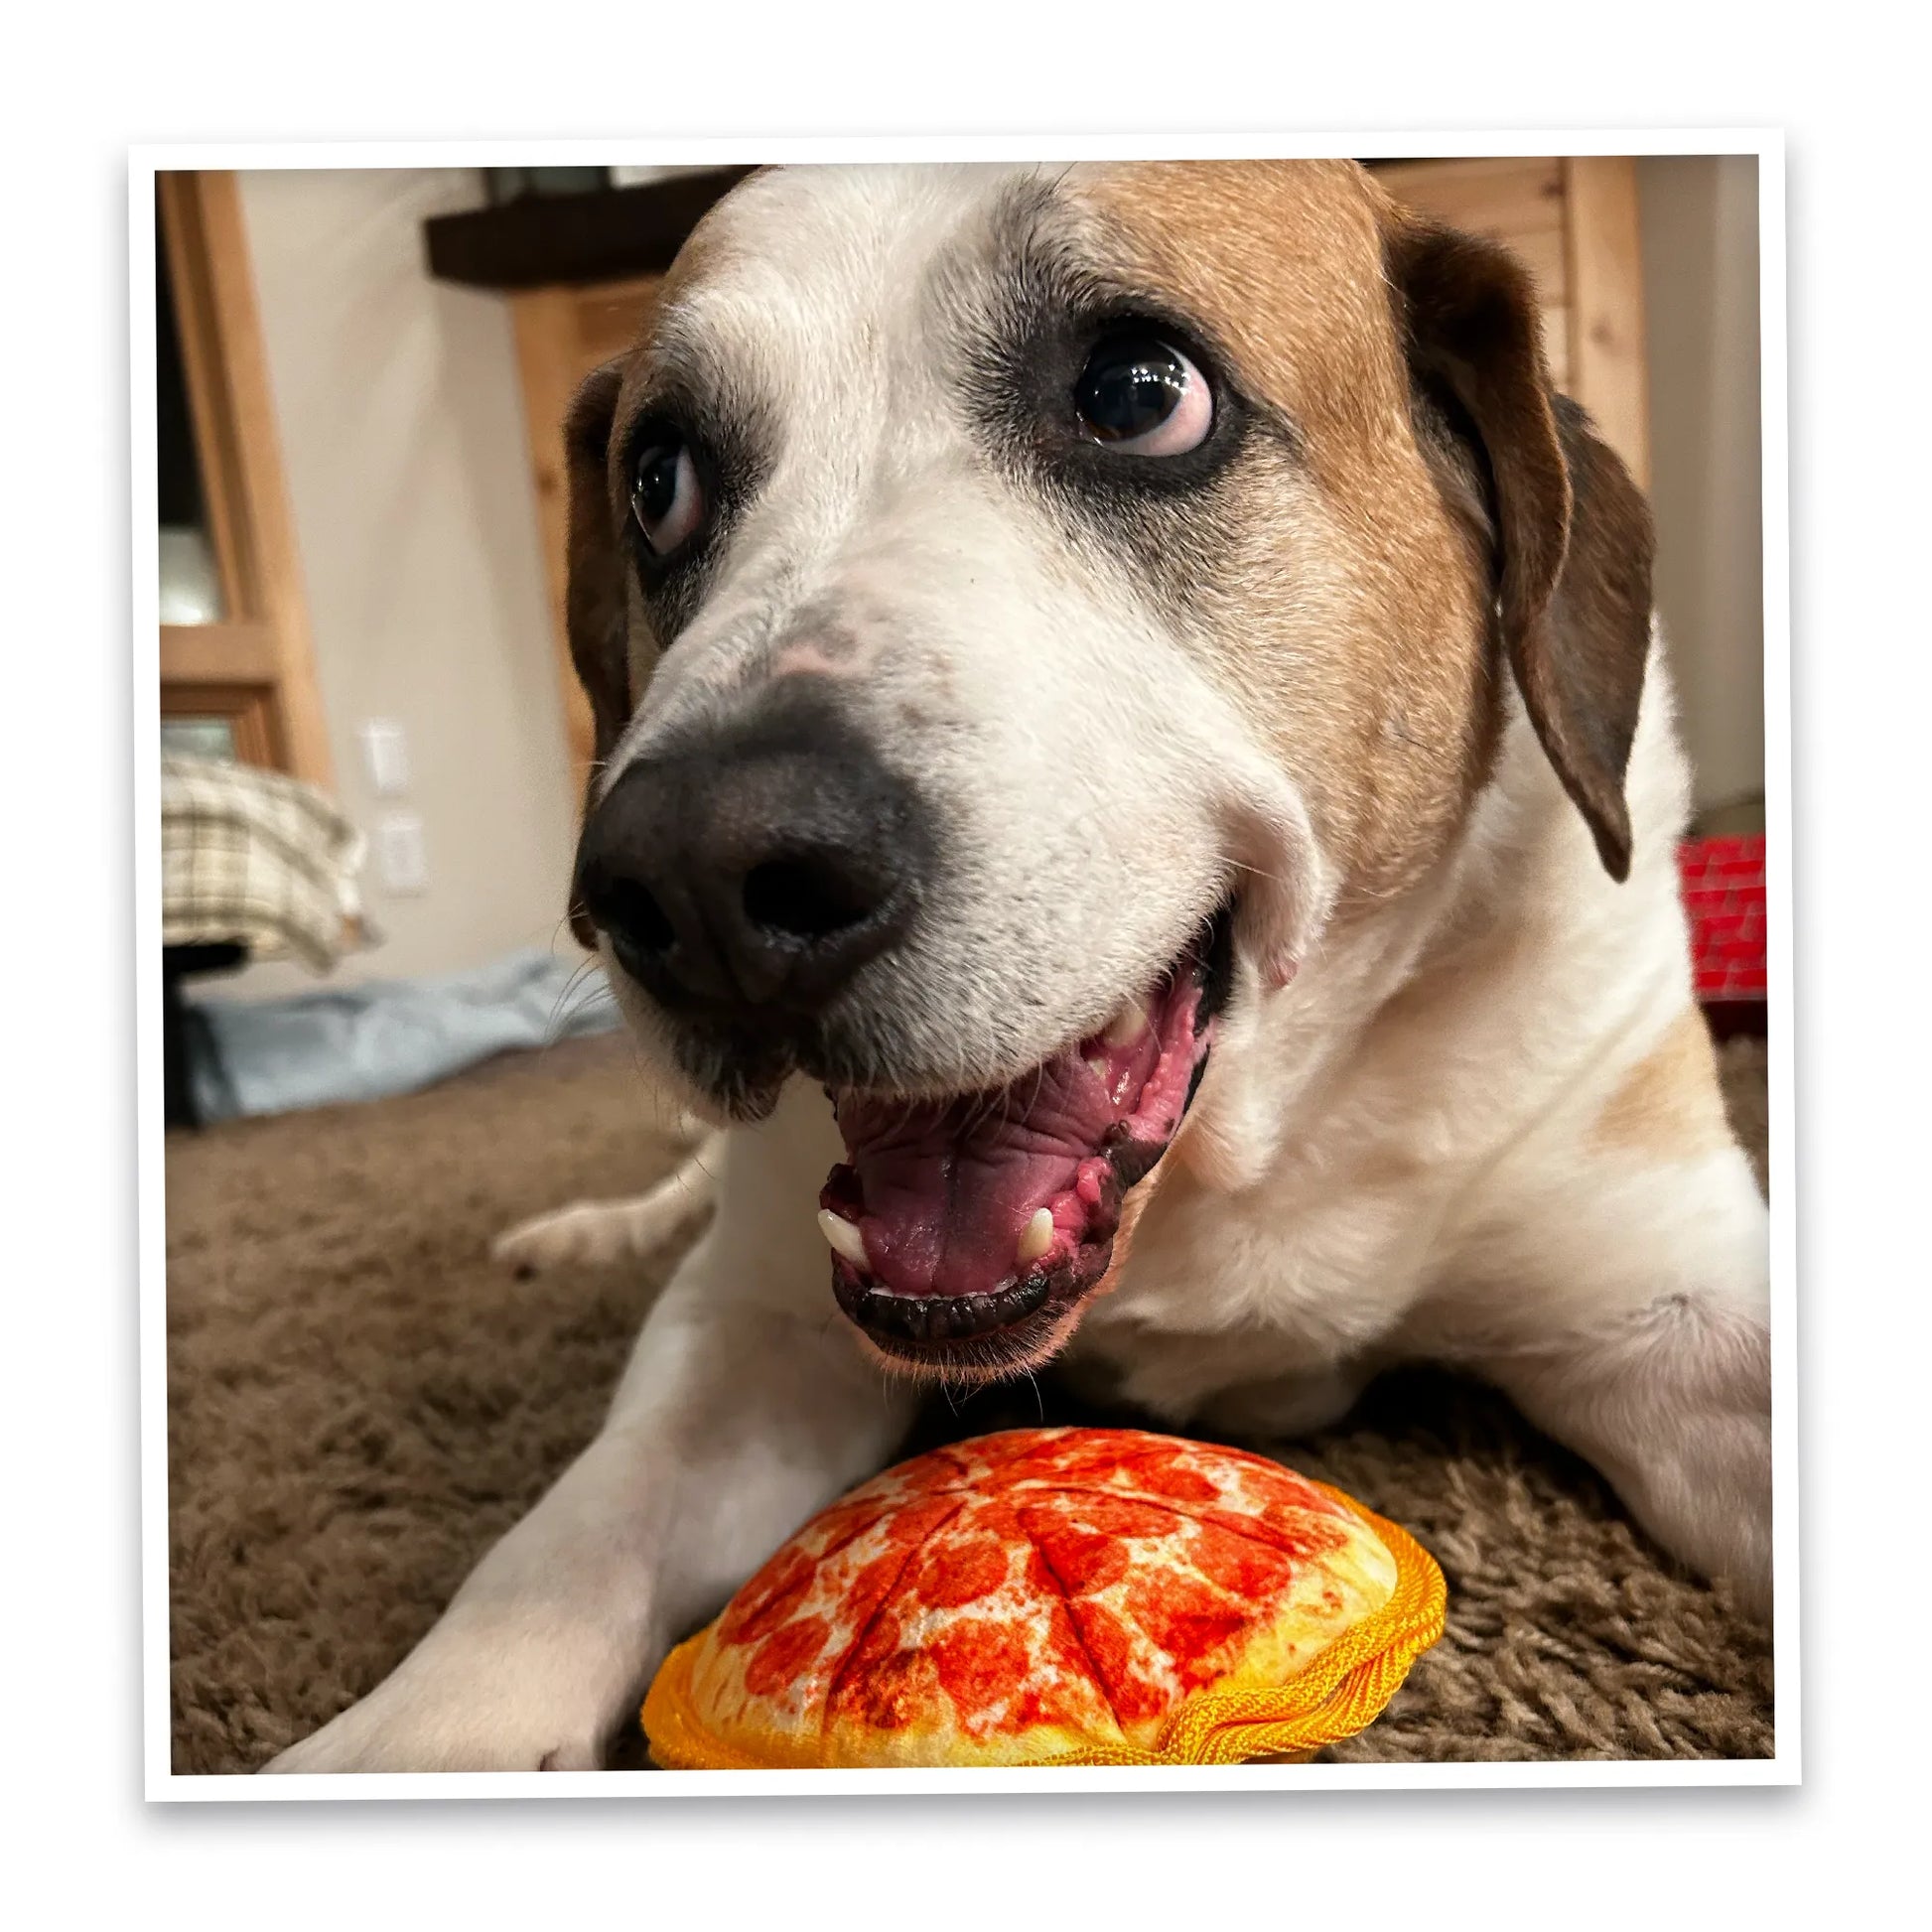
column 1057, row 1596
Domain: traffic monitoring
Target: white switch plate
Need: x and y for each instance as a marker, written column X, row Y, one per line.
column 400, row 858
column 385, row 751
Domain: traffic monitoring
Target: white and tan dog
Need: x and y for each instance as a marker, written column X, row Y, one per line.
column 1137, row 774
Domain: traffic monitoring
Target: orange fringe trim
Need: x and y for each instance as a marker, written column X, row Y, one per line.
column 1343, row 1690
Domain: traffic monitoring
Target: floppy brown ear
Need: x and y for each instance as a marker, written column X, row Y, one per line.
column 1572, row 533
column 594, row 600
column 594, row 603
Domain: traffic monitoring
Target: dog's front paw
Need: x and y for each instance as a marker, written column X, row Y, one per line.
column 586, row 1234
column 450, row 1721
column 602, row 1233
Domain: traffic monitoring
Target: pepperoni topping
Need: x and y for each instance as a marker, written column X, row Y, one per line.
column 778, row 1660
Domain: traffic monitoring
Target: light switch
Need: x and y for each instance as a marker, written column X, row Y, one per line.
column 385, row 751
column 400, row 858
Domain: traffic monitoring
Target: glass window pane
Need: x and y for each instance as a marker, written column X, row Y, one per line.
column 191, row 590
column 199, row 738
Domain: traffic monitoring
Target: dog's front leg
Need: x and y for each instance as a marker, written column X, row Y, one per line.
column 1624, row 1306
column 744, row 1408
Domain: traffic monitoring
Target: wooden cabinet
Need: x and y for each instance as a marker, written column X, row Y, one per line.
column 1573, row 220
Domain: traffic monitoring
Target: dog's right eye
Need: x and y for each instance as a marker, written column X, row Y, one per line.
column 666, row 498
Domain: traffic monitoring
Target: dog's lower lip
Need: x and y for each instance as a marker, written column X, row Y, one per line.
column 940, row 1318
column 1010, row 1329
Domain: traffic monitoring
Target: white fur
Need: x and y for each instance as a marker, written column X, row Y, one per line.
column 602, row 1233
column 1390, row 1159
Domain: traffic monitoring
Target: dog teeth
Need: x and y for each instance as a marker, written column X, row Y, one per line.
column 1099, row 1069
column 1127, row 1026
column 1036, row 1237
column 844, row 1237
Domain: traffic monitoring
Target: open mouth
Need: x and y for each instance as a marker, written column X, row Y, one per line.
column 966, row 1232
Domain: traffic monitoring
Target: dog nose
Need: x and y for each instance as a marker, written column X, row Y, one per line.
column 759, row 869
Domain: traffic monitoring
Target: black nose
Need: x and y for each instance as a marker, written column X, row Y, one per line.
column 758, row 866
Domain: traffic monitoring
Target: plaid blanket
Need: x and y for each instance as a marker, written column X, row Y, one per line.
column 253, row 858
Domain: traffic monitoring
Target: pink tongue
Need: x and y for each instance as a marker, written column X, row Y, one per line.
column 947, row 1189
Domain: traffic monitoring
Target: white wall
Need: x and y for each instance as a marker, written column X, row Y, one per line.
column 1701, row 301
column 410, row 477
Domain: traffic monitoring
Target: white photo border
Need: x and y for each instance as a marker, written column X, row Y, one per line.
column 160, row 1781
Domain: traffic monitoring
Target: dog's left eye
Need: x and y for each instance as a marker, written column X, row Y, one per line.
column 666, row 498
column 1141, row 395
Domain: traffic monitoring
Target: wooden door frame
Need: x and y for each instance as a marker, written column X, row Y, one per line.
column 255, row 665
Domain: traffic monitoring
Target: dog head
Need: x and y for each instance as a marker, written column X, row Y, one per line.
column 1021, row 608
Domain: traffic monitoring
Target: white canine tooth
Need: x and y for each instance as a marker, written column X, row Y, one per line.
column 1098, row 1069
column 1127, row 1026
column 1036, row 1237
column 844, row 1237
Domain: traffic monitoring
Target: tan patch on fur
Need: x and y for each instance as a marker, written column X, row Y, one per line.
column 1668, row 1105
column 1352, row 627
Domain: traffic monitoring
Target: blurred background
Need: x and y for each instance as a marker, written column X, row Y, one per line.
column 374, row 747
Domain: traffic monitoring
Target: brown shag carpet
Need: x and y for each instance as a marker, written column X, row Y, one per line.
column 361, row 1402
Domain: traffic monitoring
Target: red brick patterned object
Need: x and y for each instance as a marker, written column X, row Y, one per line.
column 1723, row 882
column 1049, row 1593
